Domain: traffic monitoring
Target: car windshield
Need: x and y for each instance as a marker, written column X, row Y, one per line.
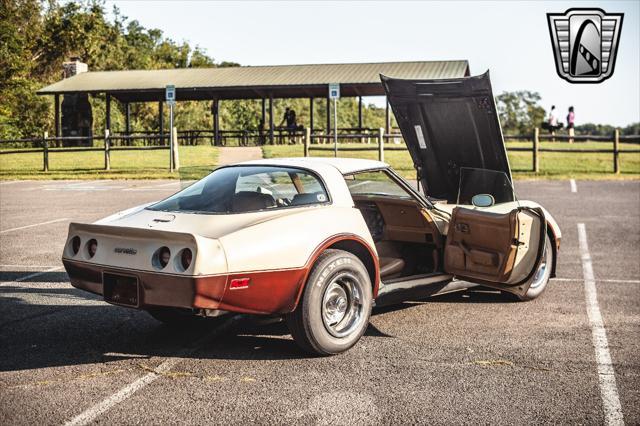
column 482, row 181
column 374, row 183
column 240, row 189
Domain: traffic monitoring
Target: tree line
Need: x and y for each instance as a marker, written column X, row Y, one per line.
column 37, row 36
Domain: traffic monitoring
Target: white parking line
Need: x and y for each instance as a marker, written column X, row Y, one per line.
column 606, row 376
column 574, row 187
column 602, row 281
column 149, row 189
column 35, row 274
column 28, row 266
column 103, row 406
column 158, row 187
column 35, row 224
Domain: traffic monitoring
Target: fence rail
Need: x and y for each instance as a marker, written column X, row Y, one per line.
column 535, row 148
column 377, row 141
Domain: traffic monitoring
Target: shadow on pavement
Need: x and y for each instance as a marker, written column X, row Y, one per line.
column 46, row 327
column 47, row 277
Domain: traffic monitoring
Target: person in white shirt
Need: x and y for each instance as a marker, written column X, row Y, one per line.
column 553, row 121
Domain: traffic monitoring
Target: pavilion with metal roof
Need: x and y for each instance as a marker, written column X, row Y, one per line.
column 248, row 82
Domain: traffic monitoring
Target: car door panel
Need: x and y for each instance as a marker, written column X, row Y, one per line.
column 497, row 249
column 480, row 244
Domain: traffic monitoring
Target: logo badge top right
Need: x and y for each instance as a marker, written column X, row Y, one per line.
column 585, row 43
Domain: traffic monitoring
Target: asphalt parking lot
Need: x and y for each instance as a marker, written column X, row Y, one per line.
column 473, row 357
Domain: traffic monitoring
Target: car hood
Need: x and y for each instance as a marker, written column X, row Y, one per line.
column 448, row 124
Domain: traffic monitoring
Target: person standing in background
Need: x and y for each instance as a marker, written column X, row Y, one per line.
column 552, row 120
column 571, row 124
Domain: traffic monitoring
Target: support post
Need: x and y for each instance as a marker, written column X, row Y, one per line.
column 307, row 140
column 311, row 114
column 335, row 128
column 172, row 139
column 161, row 120
column 216, row 121
column 57, row 116
column 107, row 150
column 616, row 151
column 328, row 118
column 271, row 141
column 176, row 154
column 536, row 145
column 359, row 114
column 387, row 118
column 380, row 144
column 127, row 118
column 263, row 120
column 45, row 152
column 107, row 120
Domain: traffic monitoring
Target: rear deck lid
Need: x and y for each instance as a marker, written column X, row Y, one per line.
column 448, row 124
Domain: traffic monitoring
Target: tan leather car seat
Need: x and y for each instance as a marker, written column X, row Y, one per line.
column 246, row 201
column 391, row 263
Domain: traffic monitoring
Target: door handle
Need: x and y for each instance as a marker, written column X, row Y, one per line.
column 462, row 227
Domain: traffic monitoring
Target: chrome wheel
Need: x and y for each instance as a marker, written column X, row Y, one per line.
column 342, row 308
column 336, row 304
column 544, row 269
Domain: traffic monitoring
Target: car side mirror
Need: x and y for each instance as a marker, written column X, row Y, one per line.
column 483, row 200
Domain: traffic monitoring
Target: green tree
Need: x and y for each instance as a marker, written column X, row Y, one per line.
column 520, row 111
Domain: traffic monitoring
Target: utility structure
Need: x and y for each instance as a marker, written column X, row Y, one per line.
column 266, row 83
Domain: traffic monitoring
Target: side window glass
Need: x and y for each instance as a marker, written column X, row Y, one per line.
column 375, row 183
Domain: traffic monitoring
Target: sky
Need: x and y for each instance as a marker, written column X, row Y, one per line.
column 511, row 39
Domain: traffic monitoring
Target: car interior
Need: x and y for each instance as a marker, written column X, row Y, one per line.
column 479, row 244
column 407, row 240
column 247, row 189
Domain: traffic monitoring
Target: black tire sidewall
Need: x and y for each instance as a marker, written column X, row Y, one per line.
column 321, row 276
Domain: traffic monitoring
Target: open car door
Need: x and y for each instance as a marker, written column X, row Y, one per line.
column 500, row 248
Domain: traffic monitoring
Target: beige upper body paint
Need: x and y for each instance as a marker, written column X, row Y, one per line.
column 272, row 239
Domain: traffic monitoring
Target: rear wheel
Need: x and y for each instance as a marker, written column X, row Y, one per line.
column 541, row 278
column 335, row 307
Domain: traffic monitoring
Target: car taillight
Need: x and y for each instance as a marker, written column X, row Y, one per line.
column 75, row 245
column 92, row 247
column 186, row 258
column 164, row 256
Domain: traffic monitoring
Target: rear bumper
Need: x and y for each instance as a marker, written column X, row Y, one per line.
column 268, row 291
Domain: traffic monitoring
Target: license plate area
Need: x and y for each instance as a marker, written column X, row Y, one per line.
column 121, row 289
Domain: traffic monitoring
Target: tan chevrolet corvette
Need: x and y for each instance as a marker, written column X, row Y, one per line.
column 321, row 241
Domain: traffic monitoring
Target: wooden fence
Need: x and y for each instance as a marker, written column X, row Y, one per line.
column 377, row 141
column 44, row 145
column 381, row 138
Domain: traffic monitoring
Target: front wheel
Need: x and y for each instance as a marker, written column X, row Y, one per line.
column 335, row 307
column 542, row 275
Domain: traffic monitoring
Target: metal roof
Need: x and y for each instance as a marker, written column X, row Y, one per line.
column 279, row 81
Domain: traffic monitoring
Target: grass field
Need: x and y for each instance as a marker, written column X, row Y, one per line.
column 194, row 160
column 552, row 165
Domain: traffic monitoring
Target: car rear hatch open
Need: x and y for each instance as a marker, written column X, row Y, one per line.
column 448, row 124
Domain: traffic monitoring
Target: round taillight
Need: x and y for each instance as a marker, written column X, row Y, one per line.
column 185, row 258
column 92, row 247
column 75, row 245
column 164, row 256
